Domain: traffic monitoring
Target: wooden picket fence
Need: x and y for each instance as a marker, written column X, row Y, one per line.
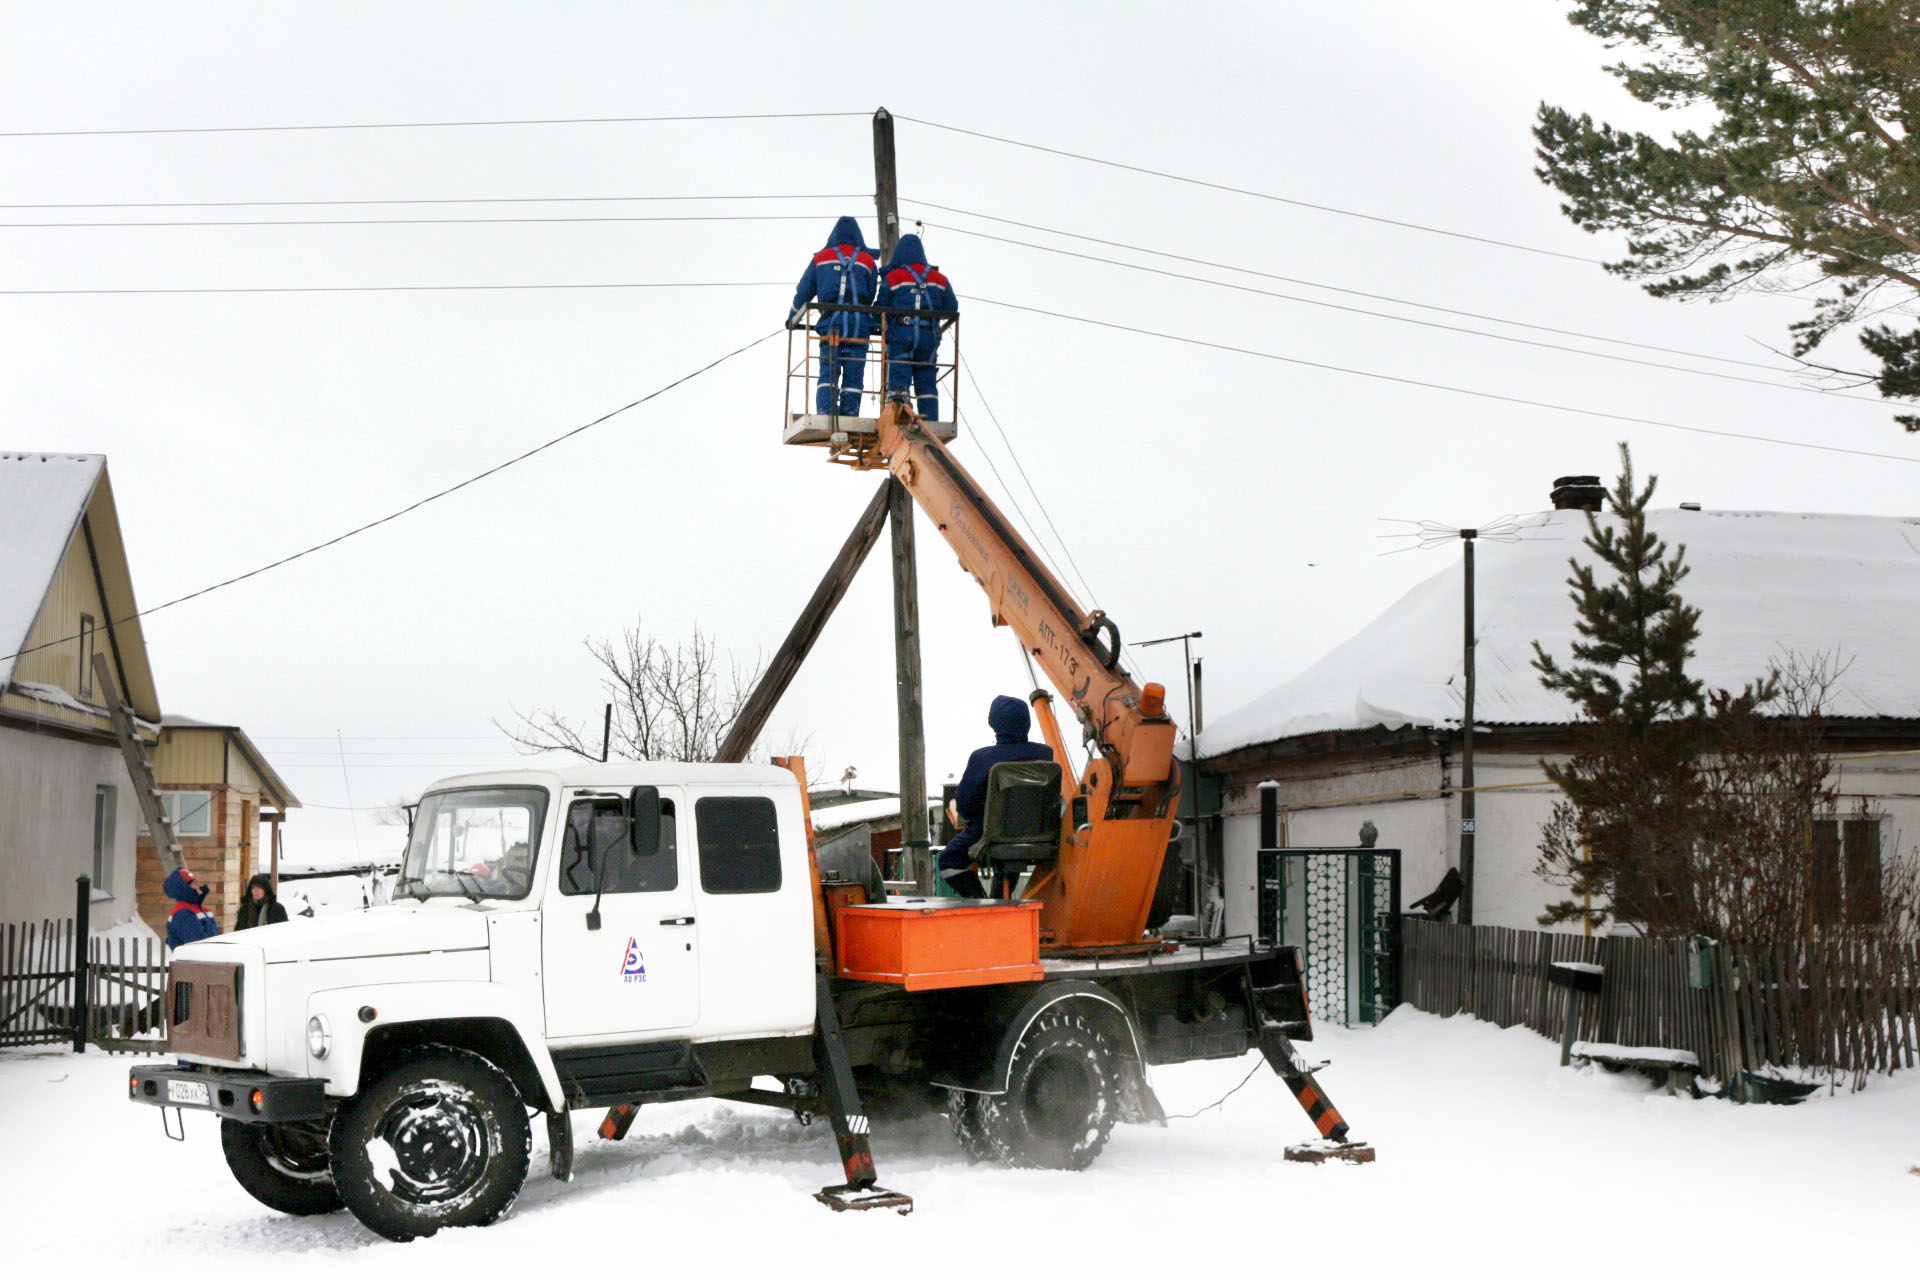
column 1829, row 1007
column 127, row 995
column 36, row 983
column 124, row 981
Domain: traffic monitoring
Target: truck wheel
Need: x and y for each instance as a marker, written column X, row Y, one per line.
column 1061, row 1098
column 283, row 1166
column 963, row 1110
column 441, row 1140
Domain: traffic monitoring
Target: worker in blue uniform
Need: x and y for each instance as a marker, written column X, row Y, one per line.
column 909, row 289
column 844, row 272
column 1010, row 721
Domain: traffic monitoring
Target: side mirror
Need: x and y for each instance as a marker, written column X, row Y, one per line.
column 643, row 817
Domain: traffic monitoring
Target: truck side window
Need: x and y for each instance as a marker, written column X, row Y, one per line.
column 596, row 835
column 739, row 844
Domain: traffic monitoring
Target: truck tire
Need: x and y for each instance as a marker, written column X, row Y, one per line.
column 283, row 1166
column 1062, row 1095
column 441, row 1140
column 963, row 1110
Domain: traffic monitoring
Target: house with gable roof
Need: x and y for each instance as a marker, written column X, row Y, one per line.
column 67, row 806
column 1372, row 732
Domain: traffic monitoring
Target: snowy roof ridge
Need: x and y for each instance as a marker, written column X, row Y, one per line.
column 1767, row 583
column 42, row 499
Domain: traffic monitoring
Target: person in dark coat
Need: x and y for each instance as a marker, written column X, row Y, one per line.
column 261, row 905
column 1010, row 721
column 190, row 921
column 909, row 289
column 844, row 272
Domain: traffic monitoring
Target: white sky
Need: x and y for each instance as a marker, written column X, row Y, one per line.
column 1196, row 489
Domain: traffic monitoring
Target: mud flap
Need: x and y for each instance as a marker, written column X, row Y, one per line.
column 850, row 1124
column 560, row 1145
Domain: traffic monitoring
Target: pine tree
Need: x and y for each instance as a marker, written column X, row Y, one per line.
column 1630, row 790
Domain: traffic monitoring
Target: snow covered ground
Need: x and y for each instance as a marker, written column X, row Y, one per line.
column 1491, row 1158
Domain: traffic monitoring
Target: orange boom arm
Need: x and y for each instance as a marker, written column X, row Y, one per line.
column 1100, row 891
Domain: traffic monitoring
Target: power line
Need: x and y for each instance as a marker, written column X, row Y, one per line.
column 407, row 288
column 1334, row 288
column 1258, row 195
column 389, row 200
column 1442, row 386
column 433, row 222
column 421, row 124
column 416, row 505
column 1425, row 324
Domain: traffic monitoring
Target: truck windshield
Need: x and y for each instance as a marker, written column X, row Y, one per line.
column 477, row 843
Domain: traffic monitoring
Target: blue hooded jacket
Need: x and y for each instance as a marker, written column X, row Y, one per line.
column 1009, row 720
column 190, row 921
column 843, row 272
column 911, row 285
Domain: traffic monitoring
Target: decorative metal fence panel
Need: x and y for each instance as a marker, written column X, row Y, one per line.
column 1341, row 907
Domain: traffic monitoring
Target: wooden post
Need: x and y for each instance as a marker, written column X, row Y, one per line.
column 1468, row 821
column 276, row 852
column 906, row 579
column 82, row 929
column 806, row 629
column 906, row 671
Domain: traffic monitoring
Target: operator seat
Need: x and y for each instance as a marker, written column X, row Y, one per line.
column 1021, row 824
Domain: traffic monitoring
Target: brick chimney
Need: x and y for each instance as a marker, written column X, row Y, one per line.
column 1578, row 493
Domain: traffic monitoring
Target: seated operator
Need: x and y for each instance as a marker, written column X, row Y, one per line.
column 1009, row 720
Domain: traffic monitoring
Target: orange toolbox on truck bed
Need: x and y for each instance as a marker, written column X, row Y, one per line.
column 926, row 943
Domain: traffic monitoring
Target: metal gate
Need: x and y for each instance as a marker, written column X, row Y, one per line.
column 1341, row 907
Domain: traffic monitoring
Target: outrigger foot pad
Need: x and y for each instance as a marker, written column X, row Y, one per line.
column 842, row 1198
column 1321, row 1152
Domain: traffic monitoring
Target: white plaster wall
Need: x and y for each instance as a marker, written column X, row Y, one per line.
column 46, row 826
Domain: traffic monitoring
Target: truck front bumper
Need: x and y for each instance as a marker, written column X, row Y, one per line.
column 252, row 1097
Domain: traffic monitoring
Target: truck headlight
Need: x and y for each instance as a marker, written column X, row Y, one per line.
column 319, row 1035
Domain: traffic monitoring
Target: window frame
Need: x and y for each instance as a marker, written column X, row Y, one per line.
column 89, row 628
column 670, row 839
column 700, row 809
column 173, row 802
column 106, row 816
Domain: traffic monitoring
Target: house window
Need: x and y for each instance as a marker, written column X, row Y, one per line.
column 190, row 812
column 88, row 631
column 105, row 810
column 1845, row 869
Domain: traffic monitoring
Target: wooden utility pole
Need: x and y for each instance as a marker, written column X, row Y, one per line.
column 906, row 578
column 813, row 619
column 1468, row 822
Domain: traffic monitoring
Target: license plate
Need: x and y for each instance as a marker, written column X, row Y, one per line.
column 188, row 1093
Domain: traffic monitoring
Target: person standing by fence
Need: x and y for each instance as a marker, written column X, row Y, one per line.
column 190, row 921
column 260, row 906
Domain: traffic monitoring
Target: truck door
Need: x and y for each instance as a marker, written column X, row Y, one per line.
column 756, row 912
column 638, row 973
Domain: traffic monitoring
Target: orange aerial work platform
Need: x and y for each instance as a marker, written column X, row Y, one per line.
column 923, row 944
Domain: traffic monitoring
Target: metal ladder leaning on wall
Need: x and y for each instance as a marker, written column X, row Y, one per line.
column 166, row 845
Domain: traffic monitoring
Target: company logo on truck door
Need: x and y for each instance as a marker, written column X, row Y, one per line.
column 633, row 966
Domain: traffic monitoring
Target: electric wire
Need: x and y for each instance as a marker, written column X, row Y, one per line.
column 1221, row 1100
column 1425, row 324
column 401, row 288
column 1442, row 386
column 391, row 200
column 421, row 124
column 1257, row 195
column 420, row 222
column 1334, row 288
column 416, row 505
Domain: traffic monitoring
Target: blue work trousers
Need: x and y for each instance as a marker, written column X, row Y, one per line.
column 912, row 351
column 843, row 374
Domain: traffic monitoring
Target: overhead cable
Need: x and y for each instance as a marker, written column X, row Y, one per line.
column 419, row 124
column 416, row 505
column 1245, row 191
column 1442, row 386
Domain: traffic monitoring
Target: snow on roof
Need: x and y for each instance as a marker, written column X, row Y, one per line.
column 42, row 497
column 840, row 816
column 1766, row 584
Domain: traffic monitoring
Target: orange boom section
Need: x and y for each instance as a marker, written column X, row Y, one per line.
column 1119, row 816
